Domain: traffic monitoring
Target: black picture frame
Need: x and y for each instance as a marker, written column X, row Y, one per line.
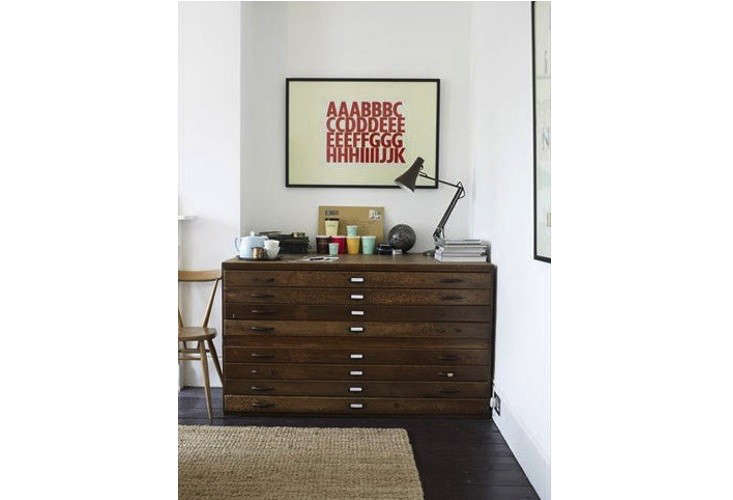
column 534, row 144
column 391, row 186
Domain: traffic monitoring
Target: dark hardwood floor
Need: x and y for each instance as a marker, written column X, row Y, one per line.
column 456, row 458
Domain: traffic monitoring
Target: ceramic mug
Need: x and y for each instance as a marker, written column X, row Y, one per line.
column 333, row 249
column 352, row 243
column 351, row 230
column 341, row 240
column 272, row 247
column 332, row 227
column 322, row 242
column 367, row 244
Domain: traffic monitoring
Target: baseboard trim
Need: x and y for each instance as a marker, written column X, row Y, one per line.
column 530, row 456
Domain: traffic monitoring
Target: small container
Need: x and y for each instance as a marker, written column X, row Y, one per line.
column 352, row 244
column 341, row 240
column 322, row 242
column 333, row 249
column 367, row 244
column 332, row 227
column 259, row 253
column 351, row 230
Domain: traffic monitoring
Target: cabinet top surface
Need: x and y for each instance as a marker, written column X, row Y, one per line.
column 408, row 262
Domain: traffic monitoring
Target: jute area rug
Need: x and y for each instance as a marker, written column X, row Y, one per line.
column 291, row 462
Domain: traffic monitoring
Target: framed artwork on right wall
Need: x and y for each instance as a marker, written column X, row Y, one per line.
column 541, row 105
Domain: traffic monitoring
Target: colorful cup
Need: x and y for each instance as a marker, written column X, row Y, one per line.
column 333, row 249
column 332, row 227
column 341, row 240
column 367, row 244
column 352, row 243
column 322, row 242
column 351, row 230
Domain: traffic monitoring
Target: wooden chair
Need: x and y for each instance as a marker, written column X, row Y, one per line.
column 201, row 334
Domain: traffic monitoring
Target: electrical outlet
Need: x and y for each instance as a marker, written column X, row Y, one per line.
column 496, row 403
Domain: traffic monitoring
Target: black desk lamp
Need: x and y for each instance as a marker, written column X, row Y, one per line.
column 408, row 180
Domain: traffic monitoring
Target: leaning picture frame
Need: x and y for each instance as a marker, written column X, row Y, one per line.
column 360, row 132
column 541, row 93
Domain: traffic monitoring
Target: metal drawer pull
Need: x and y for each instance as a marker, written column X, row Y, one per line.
column 261, row 296
column 451, row 297
column 260, row 311
column 356, row 356
column 356, row 373
column 262, row 356
column 448, row 357
column 257, row 404
column 355, row 389
column 357, row 313
column 356, row 279
column 357, row 296
column 356, row 329
column 261, row 328
column 450, row 391
column 356, row 406
column 260, row 389
column 451, row 280
column 446, row 374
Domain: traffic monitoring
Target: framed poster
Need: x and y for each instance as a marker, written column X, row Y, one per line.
column 364, row 132
column 541, row 104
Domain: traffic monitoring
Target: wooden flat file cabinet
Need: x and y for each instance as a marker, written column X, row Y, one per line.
column 367, row 334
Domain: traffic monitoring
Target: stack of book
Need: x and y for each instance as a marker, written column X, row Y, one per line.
column 462, row 251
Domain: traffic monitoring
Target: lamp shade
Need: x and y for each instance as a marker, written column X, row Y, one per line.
column 408, row 179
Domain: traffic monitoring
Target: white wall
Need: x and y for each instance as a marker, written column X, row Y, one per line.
column 501, row 144
column 336, row 39
column 209, row 151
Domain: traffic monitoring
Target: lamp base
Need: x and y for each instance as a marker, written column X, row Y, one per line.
column 429, row 253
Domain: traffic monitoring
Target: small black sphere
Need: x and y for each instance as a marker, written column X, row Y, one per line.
column 401, row 236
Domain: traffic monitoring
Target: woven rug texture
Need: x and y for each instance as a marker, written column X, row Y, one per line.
column 295, row 463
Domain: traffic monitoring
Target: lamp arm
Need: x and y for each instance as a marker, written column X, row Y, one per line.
column 460, row 193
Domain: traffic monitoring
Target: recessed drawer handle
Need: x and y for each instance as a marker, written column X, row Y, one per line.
column 450, row 391
column 261, row 296
column 446, row 374
column 356, row 329
column 357, row 313
column 260, row 389
column 262, row 356
column 261, row 328
column 451, row 280
column 355, row 389
column 260, row 311
column 357, row 296
column 451, row 297
column 257, row 404
column 448, row 357
column 356, row 279
column 264, row 280
column 356, row 373
column 356, row 406
column 356, row 356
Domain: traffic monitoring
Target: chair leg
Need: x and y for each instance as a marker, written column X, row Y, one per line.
column 205, row 368
column 215, row 357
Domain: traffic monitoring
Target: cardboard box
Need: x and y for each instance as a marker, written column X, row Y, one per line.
column 369, row 219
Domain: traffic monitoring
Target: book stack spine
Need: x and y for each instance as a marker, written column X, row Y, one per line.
column 462, row 251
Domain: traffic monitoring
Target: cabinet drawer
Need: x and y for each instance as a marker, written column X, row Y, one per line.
column 355, row 279
column 354, row 406
column 354, row 342
column 358, row 312
column 449, row 390
column 357, row 356
column 345, row 296
column 277, row 371
column 355, row 328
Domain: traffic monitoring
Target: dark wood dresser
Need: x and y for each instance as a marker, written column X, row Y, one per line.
column 367, row 334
